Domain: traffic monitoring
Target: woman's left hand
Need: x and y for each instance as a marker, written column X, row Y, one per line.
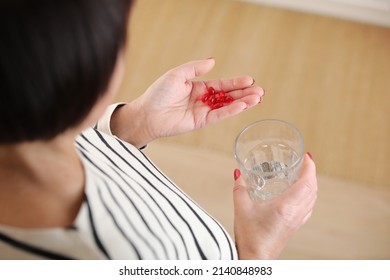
column 172, row 105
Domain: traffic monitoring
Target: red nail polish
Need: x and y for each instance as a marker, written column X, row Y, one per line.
column 309, row 154
column 237, row 174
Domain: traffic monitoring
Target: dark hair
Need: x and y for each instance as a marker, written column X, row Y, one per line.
column 56, row 60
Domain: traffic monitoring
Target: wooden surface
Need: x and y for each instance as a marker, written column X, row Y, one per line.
column 329, row 77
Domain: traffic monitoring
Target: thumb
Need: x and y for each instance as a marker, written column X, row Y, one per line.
column 306, row 186
column 195, row 68
column 241, row 199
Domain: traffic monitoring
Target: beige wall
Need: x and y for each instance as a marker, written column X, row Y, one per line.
column 329, row 77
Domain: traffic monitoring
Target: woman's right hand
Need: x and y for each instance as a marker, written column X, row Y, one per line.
column 262, row 229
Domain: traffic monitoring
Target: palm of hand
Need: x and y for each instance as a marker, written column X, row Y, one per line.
column 173, row 102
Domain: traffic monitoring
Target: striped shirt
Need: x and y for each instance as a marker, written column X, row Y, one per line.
column 131, row 210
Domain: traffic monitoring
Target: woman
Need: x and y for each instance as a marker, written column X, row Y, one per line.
column 68, row 191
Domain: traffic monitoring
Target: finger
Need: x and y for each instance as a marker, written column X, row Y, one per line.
column 306, row 218
column 249, row 91
column 225, row 112
column 309, row 211
column 306, row 186
column 308, row 174
column 193, row 69
column 249, row 97
column 308, row 168
column 230, row 84
column 241, row 199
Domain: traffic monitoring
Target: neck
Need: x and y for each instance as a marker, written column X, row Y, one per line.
column 41, row 162
column 42, row 176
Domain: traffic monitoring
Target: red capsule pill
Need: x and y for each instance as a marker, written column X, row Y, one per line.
column 216, row 106
column 216, row 99
column 228, row 99
column 205, row 98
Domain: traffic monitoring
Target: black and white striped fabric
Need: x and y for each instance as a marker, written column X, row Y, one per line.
column 131, row 211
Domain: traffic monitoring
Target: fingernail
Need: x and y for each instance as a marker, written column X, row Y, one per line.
column 254, row 81
column 261, row 99
column 210, row 57
column 237, row 174
column 309, row 154
column 263, row 92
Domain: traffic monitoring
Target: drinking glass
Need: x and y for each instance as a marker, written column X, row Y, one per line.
column 269, row 154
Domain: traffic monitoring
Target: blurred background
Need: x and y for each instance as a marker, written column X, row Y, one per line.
column 325, row 69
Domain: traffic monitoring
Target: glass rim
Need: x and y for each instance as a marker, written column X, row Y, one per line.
column 247, row 127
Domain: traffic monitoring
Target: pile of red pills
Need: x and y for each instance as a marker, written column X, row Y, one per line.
column 216, row 98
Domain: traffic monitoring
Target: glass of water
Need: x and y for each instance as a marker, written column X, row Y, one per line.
column 269, row 154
